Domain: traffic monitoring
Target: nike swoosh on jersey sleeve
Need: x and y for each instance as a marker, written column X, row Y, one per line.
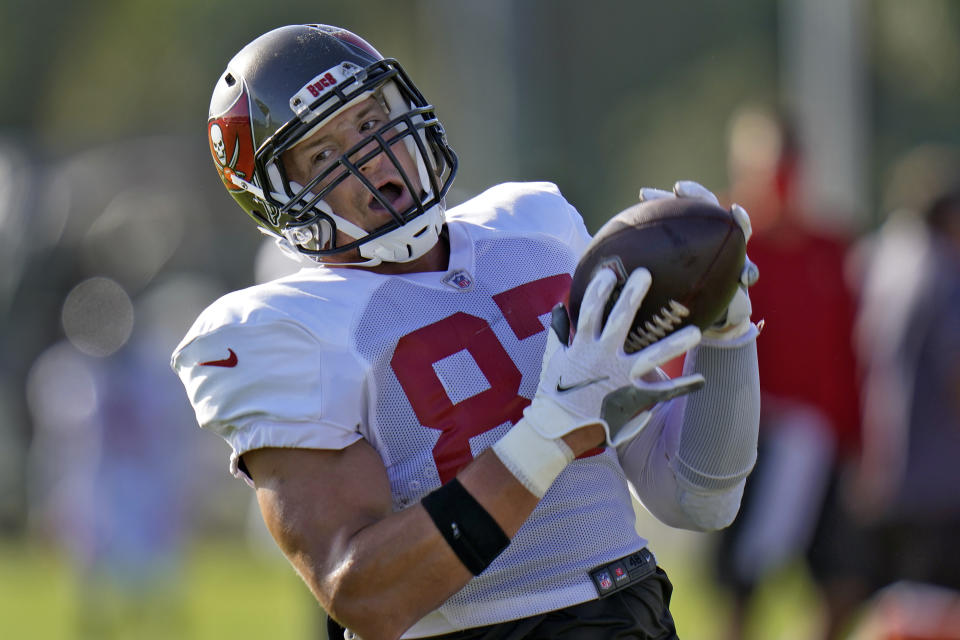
column 290, row 390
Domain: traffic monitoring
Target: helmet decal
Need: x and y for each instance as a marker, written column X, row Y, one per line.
column 319, row 86
column 231, row 143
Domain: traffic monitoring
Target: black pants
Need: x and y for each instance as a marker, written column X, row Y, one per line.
column 639, row 612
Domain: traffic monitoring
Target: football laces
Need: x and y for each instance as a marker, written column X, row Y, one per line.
column 663, row 322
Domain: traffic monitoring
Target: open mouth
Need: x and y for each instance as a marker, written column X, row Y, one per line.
column 393, row 193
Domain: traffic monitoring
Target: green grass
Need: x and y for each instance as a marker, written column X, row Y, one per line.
column 224, row 591
column 228, row 590
column 785, row 608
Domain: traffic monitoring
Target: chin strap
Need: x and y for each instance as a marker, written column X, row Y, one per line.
column 404, row 244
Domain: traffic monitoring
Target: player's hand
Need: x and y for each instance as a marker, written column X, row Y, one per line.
column 593, row 380
column 734, row 323
column 681, row 189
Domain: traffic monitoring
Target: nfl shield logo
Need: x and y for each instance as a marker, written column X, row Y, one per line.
column 460, row 280
column 605, row 581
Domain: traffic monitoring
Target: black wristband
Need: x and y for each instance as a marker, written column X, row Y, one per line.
column 470, row 531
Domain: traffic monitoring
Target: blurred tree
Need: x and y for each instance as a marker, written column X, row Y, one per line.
column 623, row 95
column 916, row 82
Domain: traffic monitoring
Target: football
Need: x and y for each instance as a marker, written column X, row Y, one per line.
column 694, row 251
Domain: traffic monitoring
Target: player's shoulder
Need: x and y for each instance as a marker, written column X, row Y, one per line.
column 522, row 207
column 318, row 303
column 507, row 195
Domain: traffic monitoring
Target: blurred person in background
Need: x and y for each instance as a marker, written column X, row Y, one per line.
column 908, row 340
column 384, row 400
column 109, row 461
column 809, row 422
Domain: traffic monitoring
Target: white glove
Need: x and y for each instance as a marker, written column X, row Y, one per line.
column 734, row 324
column 594, row 380
column 681, row 189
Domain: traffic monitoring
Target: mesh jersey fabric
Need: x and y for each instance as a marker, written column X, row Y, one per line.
column 431, row 369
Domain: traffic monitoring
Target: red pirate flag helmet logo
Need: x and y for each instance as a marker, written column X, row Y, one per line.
column 231, row 143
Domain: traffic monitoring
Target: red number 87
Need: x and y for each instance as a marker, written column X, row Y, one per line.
column 417, row 352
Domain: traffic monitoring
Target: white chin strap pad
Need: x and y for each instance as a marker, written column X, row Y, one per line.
column 409, row 242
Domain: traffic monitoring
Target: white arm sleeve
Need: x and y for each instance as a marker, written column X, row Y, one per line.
column 688, row 467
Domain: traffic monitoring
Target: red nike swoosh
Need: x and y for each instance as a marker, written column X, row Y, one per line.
column 230, row 361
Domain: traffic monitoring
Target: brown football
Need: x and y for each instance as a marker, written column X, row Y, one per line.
column 694, row 251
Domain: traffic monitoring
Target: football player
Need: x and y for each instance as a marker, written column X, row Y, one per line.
column 429, row 453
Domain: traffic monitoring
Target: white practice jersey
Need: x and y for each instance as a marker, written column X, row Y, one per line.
column 430, row 369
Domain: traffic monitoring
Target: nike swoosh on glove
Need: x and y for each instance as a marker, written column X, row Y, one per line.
column 593, row 380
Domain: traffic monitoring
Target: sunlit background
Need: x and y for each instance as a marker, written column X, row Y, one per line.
column 118, row 518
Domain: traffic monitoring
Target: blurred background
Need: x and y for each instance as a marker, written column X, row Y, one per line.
column 833, row 121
